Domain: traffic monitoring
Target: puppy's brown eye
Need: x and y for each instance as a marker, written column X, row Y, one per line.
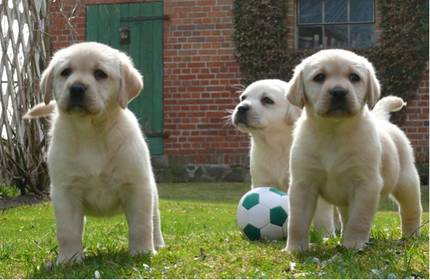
column 319, row 78
column 243, row 97
column 354, row 78
column 266, row 100
column 66, row 72
column 100, row 75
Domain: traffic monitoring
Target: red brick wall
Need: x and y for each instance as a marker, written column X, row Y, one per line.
column 199, row 70
column 291, row 23
column 416, row 125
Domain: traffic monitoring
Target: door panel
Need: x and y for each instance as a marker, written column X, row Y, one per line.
column 144, row 22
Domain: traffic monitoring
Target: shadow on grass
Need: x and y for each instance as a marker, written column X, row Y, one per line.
column 348, row 263
column 225, row 192
column 97, row 265
column 218, row 192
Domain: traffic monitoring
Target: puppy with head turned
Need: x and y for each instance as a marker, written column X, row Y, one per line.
column 98, row 160
column 268, row 117
column 344, row 152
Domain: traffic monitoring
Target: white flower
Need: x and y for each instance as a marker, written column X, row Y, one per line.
column 292, row 266
column 147, row 267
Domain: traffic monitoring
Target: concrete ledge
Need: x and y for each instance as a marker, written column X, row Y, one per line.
column 167, row 170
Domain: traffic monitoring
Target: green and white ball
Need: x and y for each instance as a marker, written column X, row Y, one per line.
column 262, row 214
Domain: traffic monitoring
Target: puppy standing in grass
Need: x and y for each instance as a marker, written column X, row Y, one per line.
column 268, row 117
column 97, row 158
column 346, row 153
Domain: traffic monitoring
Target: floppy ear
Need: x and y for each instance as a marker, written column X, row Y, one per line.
column 293, row 114
column 296, row 93
column 46, row 84
column 374, row 88
column 131, row 83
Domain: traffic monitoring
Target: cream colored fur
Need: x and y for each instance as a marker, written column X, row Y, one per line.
column 349, row 156
column 41, row 110
column 98, row 160
column 270, row 127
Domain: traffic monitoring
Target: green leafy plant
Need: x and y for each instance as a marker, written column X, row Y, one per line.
column 260, row 37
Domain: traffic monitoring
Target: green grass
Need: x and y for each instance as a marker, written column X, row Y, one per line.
column 203, row 242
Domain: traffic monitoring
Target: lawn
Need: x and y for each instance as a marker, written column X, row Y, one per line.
column 198, row 221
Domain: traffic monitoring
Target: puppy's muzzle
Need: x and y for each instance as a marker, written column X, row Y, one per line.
column 77, row 93
column 241, row 114
column 338, row 99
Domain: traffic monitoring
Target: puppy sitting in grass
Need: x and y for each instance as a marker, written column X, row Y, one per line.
column 98, row 160
column 345, row 153
column 268, row 117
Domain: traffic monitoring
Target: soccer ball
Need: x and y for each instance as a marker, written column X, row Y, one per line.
column 262, row 214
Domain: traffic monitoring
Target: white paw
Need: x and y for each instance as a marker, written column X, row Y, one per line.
column 296, row 248
column 140, row 252
column 70, row 258
column 354, row 244
column 160, row 245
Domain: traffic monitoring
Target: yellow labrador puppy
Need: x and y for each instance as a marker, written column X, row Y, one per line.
column 267, row 116
column 346, row 153
column 97, row 158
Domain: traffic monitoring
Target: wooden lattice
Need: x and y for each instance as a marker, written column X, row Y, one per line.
column 22, row 58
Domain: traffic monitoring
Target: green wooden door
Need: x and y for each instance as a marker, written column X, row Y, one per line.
column 136, row 29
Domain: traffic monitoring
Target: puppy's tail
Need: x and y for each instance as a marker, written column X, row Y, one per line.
column 386, row 105
column 40, row 110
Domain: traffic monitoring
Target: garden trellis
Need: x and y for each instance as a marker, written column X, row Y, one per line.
column 23, row 56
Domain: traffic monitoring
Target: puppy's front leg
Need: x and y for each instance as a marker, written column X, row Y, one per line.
column 361, row 210
column 70, row 219
column 302, row 201
column 139, row 214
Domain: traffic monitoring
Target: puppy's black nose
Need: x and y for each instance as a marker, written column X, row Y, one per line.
column 241, row 116
column 338, row 92
column 77, row 89
column 243, row 109
column 77, row 95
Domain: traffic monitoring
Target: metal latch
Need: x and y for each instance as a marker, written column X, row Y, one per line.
column 124, row 36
